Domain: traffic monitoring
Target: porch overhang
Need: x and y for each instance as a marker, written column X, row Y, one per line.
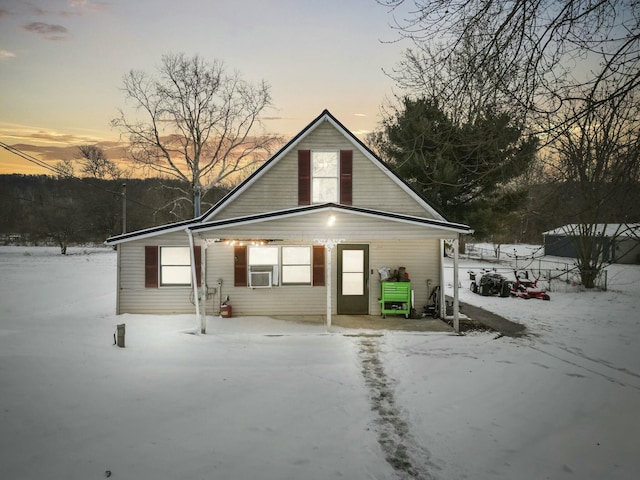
column 330, row 223
column 332, row 220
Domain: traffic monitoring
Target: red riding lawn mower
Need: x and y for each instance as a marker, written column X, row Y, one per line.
column 526, row 288
column 492, row 283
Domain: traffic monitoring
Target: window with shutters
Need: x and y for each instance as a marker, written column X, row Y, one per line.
column 268, row 266
column 175, row 266
column 170, row 266
column 324, row 176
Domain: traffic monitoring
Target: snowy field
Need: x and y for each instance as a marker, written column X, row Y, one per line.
column 265, row 399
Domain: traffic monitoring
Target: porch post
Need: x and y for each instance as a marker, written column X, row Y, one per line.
column 194, row 281
column 328, row 247
column 456, row 304
column 203, row 285
column 442, row 301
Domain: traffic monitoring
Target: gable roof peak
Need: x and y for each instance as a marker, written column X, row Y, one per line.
column 327, row 116
column 324, row 116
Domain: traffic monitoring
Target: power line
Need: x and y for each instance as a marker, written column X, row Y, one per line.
column 30, row 158
column 62, row 173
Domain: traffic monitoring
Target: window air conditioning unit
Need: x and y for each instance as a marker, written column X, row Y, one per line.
column 260, row 279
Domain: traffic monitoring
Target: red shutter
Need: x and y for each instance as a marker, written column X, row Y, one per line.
column 197, row 253
column 304, row 177
column 151, row 266
column 318, row 266
column 346, row 176
column 240, row 266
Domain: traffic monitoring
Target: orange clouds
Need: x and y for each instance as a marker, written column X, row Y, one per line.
column 51, row 154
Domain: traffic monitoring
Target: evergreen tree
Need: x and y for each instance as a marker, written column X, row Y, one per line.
column 468, row 171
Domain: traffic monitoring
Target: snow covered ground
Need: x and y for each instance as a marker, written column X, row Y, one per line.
column 260, row 398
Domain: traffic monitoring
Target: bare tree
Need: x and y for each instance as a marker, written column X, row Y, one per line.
column 95, row 164
column 464, row 86
column 65, row 169
column 598, row 158
column 539, row 55
column 60, row 214
column 199, row 123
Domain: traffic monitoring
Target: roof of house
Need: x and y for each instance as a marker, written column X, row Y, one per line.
column 207, row 220
column 324, row 116
column 292, row 212
column 600, row 229
column 197, row 225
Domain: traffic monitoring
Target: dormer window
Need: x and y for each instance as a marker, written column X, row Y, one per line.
column 324, row 175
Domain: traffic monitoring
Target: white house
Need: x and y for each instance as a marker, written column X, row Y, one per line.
column 305, row 234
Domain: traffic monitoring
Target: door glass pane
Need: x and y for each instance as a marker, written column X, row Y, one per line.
column 352, row 261
column 352, row 272
column 352, row 284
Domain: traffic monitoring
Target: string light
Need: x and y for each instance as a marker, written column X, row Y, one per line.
column 242, row 243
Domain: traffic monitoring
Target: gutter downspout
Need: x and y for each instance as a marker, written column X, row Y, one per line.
column 456, row 302
column 328, row 249
column 118, row 279
column 194, row 281
column 442, row 314
column 203, row 285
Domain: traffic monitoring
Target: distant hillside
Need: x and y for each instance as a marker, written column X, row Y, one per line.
column 35, row 208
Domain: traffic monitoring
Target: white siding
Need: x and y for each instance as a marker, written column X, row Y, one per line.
column 283, row 300
column 419, row 256
column 315, row 225
column 133, row 297
column 277, row 189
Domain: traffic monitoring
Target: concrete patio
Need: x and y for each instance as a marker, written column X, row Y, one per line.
column 373, row 322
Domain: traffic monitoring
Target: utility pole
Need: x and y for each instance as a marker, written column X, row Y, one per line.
column 197, row 193
column 124, row 208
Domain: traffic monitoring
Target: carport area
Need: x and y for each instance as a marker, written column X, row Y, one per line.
column 472, row 318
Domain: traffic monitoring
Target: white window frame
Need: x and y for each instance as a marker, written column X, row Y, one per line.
column 286, row 264
column 163, row 268
column 316, row 193
column 259, row 268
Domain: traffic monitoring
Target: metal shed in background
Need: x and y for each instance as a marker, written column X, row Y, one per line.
column 621, row 242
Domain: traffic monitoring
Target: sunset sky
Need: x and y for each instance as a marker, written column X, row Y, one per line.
column 62, row 62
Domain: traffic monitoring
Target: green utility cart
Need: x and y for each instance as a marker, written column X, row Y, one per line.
column 395, row 298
